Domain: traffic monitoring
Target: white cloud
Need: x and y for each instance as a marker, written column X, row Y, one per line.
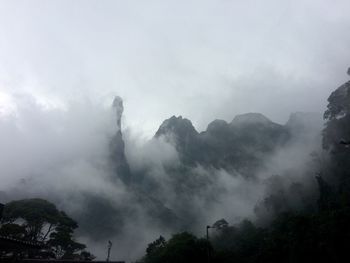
column 177, row 57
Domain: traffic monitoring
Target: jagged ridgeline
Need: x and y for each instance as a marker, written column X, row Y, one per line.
column 240, row 148
column 317, row 233
column 236, row 146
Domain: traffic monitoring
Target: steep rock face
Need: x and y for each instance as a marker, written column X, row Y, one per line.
column 336, row 138
column 181, row 129
column 183, row 135
column 339, row 102
column 337, row 116
column 118, row 161
column 104, row 218
column 120, row 167
column 237, row 146
column 95, row 205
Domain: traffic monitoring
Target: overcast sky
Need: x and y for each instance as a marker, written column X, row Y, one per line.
column 199, row 59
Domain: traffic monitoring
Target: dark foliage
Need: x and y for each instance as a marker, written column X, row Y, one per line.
column 308, row 235
column 38, row 220
column 183, row 247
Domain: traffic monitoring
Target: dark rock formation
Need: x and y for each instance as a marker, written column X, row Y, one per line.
column 118, row 161
column 237, row 146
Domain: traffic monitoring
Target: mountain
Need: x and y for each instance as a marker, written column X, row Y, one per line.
column 182, row 128
column 251, row 118
column 181, row 133
column 240, row 145
column 118, row 162
column 104, row 218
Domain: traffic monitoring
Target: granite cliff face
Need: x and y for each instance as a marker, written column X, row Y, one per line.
column 119, row 164
column 105, row 218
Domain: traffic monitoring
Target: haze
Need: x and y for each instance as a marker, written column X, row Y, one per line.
column 200, row 59
column 62, row 63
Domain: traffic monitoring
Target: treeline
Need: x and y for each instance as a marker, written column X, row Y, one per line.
column 40, row 222
column 321, row 234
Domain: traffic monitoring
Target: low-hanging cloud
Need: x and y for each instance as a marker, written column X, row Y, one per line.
column 178, row 57
column 61, row 63
column 62, row 154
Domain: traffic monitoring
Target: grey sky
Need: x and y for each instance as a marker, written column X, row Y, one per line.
column 200, row 59
column 62, row 62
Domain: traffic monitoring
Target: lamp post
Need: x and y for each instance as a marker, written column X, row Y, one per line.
column 208, row 247
column 109, row 250
column 220, row 224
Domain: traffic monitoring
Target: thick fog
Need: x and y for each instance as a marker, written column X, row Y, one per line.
column 62, row 63
column 62, row 155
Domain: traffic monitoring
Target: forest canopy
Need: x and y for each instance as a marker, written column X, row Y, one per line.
column 38, row 220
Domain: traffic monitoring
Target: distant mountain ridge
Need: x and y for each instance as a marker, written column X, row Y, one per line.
column 240, row 145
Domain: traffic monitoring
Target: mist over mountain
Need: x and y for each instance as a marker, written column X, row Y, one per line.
column 146, row 118
column 180, row 179
column 240, row 146
column 210, row 170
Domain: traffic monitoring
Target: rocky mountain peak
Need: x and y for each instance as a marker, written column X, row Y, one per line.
column 118, row 109
column 177, row 126
column 250, row 118
column 118, row 161
column 217, row 126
